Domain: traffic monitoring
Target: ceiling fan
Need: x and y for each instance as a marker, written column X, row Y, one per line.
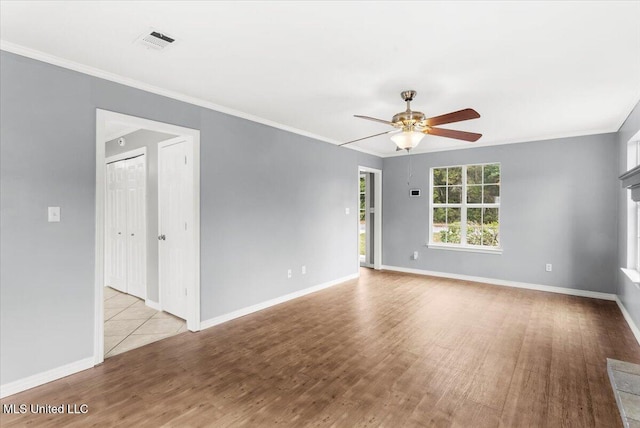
column 411, row 126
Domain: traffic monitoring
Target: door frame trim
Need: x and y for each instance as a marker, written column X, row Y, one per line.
column 102, row 117
column 377, row 226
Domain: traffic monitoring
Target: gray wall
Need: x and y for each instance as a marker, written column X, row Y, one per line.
column 136, row 140
column 270, row 201
column 628, row 294
column 557, row 206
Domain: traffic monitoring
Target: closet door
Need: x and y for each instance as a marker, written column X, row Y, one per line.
column 116, row 272
column 136, row 226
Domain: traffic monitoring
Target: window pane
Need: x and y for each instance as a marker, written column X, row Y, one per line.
column 474, row 235
column 439, row 224
column 474, row 174
column 491, row 192
column 490, row 215
column 474, row 194
column 490, row 235
column 453, row 215
column 474, row 216
column 455, row 194
column 451, row 233
column 439, row 195
column 439, row 176
column 455, row 175
column 439, row 216
column 490, row 227
column 362, row 214
column 492, row 173
column 362, row 199
column 474, row 226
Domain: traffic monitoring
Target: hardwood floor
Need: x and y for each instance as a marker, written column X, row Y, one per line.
column 388, row 349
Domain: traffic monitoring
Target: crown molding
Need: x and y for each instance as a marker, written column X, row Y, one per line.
column 116, row 78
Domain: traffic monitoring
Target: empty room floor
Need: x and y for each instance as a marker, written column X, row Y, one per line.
column 387, row 349
column 130, row 324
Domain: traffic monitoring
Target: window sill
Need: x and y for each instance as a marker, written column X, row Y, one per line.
column 632, row 274
column 467, row 249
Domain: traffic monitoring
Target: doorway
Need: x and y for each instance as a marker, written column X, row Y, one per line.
column 128, row 248
column 369, row 217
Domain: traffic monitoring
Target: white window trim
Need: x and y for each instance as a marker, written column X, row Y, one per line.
column 632, row 271
column 468, row 248
column 463, row 214
column 632, row 274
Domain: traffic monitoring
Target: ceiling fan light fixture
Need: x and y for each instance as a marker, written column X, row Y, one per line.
column 407, row 139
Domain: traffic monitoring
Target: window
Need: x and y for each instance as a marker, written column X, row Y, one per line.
column 631, row 266
column 633, row 212
column 465, row 207
column 636, row 244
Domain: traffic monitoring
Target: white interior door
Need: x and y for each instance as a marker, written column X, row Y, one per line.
column 175, row 190
column 116, row 215
column 136, row 226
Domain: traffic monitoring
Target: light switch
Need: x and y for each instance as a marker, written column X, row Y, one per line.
column 54, row 214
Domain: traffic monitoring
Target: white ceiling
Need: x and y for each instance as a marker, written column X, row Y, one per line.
column 533, row 70
column 115, row 129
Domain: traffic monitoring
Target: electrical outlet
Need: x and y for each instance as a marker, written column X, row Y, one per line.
column 304, row 270
column 289, row 274
column 548, row 267
column 415, row 255
column 346, row 210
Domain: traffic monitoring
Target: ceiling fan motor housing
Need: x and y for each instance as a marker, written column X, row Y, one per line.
column 408, row 117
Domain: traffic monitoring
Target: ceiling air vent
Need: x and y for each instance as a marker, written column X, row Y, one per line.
column 155, row 40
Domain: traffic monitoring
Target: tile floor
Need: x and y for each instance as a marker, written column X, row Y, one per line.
column 625, row 380
column 129, row 323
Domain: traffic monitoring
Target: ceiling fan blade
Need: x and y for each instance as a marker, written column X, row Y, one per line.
column 456, row 116
column 374, row 119
column 370, row 136
column 450, row 133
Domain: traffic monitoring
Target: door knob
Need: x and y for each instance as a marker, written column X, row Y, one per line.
column 162, row 238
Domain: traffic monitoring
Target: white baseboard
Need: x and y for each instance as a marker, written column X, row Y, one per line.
column 152, row 304
column 634, row 328
column 263, row 305
column 502, row 282
column 45, row 377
